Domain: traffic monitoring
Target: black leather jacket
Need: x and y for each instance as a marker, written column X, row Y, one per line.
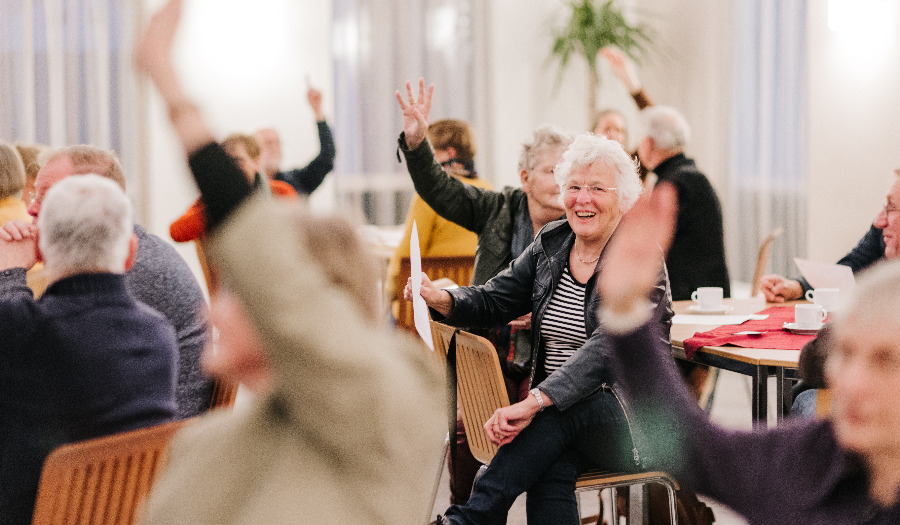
column 527, row 286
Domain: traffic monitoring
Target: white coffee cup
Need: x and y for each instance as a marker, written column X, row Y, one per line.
column 809, row 316
column 708, row 297
column 827, row 298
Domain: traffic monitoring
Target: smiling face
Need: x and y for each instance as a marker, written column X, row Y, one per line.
column 591, row 208
column 889, row 221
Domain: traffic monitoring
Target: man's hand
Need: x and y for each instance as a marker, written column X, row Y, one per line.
column 631, row 267
column 777, row 289
column 18, row 245
column 314, row 96
column 415, row 113
column 622, row 67
column 153, row 50
column 507, row 422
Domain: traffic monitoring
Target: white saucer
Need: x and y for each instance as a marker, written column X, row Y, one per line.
column 695, row 308
column 792, row 328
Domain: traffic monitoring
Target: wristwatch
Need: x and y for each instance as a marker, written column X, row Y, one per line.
column 540, row 399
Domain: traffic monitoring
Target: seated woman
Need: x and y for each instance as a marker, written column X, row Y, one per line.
column 837, row 471
column 334, row 422
column 245, row 151
column 583, row 424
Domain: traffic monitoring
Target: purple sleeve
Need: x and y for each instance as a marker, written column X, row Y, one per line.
column 749, row 471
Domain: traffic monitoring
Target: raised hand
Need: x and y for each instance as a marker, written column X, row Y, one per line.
column 415, row 113
column 622, row 67
column 631, row 267
column 153, row 57
column 153, row 50
column 314, row 96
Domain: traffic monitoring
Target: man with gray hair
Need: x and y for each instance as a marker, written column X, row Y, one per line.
column 697, row 255
column 159, row 278
column 86, row 359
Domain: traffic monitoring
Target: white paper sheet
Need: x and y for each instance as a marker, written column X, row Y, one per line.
column 420, row 309
column 827, row 275
column 716, row 320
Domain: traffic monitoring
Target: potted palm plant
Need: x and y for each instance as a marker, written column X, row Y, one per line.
column 591, row 26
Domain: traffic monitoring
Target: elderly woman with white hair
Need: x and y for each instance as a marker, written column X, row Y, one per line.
column 582, row 423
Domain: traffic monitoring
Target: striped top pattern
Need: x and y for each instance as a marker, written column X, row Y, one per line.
column 562, row 327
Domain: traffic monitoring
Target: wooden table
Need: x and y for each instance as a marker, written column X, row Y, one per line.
column 757, row 363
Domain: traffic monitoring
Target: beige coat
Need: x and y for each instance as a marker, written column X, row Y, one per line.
column 354, row 429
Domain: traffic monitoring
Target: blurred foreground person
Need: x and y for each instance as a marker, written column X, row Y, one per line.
column 86, row 359
column 838, row 471
column 353, row 413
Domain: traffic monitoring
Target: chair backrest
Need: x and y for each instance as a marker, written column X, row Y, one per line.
column 762, row 259
column 223, row 394
column 104, row 480
column 441, row 335
column 480, row 390
column 457, row 268
column 823, row 403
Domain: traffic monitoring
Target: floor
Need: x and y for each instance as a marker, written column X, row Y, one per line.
column 731, row 408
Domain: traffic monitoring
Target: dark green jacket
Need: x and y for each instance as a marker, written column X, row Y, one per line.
column 490, row 214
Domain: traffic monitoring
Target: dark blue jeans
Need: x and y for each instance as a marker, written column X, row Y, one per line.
column 544, row 461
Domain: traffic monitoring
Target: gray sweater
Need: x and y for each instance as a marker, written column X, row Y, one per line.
column 162, row 280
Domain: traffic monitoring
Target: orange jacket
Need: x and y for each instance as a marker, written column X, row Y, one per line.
column 192, row 225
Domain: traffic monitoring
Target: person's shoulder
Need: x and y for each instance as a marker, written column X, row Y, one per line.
column 282, row 189
column 479, row 183
column 552, row 233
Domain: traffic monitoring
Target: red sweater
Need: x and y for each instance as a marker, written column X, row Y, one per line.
column 192, row 225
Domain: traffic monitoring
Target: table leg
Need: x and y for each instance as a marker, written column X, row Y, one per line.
column 760, row 401
column 784, row 393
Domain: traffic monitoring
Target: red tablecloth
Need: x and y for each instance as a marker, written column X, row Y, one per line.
column 776, row 337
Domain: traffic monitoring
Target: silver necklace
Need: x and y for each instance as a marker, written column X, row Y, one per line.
column 578, row 256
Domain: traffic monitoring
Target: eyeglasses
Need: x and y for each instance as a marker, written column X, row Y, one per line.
column 572, row 189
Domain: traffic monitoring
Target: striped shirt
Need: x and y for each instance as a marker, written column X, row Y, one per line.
column 562, row 327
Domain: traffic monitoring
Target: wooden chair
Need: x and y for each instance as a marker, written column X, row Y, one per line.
column 762, row 260
column 223, row 394
column 481, row 390
column 823, row 403
column 457, row 268
column 102, row 481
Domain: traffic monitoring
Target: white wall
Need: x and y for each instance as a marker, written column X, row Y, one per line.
column 245, row 65
column 854, row 81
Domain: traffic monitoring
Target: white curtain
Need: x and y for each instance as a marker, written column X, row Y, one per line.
column 65, row 74
column 378, row 45
column 769, row 172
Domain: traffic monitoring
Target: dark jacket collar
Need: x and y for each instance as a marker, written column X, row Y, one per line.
column 87, row 284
